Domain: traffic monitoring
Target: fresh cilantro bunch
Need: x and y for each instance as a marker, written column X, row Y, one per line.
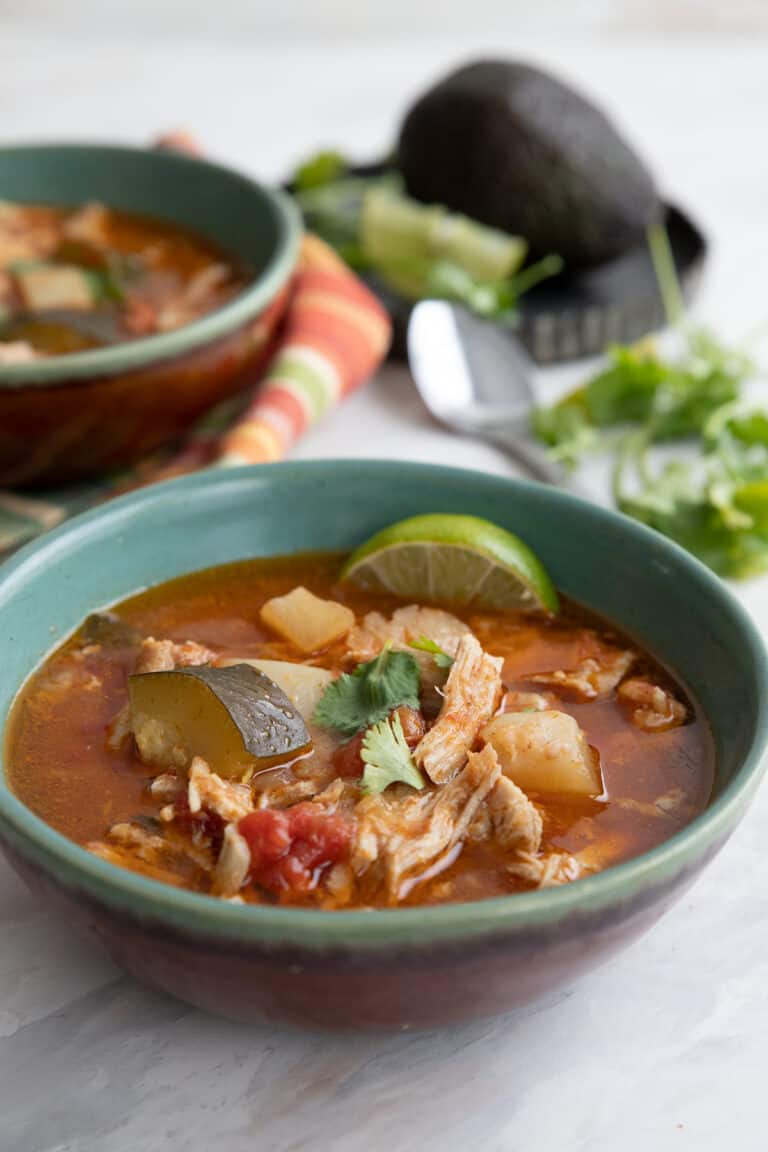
column 714, row 504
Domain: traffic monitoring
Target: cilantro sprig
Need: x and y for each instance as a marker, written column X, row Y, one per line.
column 358, row 699
column 387, row 758
column 438, row 654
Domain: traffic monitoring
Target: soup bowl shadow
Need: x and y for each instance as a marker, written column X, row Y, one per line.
column 399, row 968
column 68, row 417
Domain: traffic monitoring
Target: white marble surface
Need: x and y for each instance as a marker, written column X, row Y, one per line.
column 665, row 1048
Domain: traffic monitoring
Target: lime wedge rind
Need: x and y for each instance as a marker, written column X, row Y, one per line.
column 457, row 559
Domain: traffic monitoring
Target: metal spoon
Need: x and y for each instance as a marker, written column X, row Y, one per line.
column 474, row 377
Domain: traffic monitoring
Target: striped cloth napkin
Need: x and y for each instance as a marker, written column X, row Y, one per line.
column 335, row 335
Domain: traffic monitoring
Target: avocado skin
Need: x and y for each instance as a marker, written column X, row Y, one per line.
column 516, row 149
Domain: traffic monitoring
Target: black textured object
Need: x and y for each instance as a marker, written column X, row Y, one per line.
column 582, row 313
column 517, row 149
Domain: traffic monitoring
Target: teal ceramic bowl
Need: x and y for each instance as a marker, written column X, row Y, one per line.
column 59, row 415
column 404, row 967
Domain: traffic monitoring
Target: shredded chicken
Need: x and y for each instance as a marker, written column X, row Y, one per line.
column 524, row 702
column 125, row 858
column 165, row 655
column 401, row 831
column 655, row 709
column 119, row 729
column 208, row 792
column 88, row 225
column 545, row 871
column 233, row 865
column 340, row 794
column 166, row 786
column 516, row 823
column 669, row 804
column 17, row 352
column 193, row 299
column 19, row 242
column 159, row 852
column 471, row 694
column 591, row 679
column 287, row 793
column 405, row 626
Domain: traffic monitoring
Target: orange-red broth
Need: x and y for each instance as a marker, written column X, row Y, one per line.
column 61, row 768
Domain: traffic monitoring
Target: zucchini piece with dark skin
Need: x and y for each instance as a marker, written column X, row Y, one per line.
column 235, row 718
column 109, row 630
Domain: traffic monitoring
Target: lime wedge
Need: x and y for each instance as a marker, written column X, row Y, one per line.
column 460, row 560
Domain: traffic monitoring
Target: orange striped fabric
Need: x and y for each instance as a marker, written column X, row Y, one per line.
column 335, row 336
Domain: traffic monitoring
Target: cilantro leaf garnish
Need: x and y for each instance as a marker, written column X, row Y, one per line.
column 361, row 698
column 387, row 758
column 439, row 655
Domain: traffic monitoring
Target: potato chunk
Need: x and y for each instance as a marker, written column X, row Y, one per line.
column 54, row 286
column 307, row 621
column 303, row 684
column 544, row 752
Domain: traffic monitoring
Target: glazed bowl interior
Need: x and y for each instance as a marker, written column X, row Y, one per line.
column 257, row 225
column 648, row 587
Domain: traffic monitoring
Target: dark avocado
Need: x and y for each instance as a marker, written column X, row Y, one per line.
column 516, row 149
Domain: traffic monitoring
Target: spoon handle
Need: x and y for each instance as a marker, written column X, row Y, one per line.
column 537, row 462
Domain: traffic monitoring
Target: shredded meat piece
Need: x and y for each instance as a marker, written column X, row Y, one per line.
column 126, row 858
column 165, row 655
column 592, row 679
column 471, row 694
column 166, row 786
column 508, row 817
column 88, row 225
column 400, row 831
column 405, row 626
column 340, row 794
column 669, row 804
column 156, row 851
column 18, row 352
column 208, row 792
column 545, row 871
column 655, row 709
column 233, row 865
column 524, row 702
column 306, row 782
column 286, row 793
column 119, row 729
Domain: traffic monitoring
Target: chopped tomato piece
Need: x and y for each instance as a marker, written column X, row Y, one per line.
column 347, row 759
column 412, row 723
column 290, row 849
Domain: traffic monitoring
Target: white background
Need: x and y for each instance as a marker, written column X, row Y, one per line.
column 666, row 1047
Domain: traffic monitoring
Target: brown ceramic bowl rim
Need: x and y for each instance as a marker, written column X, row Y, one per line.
column 132, row 355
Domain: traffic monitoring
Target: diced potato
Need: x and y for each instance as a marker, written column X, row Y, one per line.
column 48, row 287
column 302, row 684
column 307, row 621
column 544, row 752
